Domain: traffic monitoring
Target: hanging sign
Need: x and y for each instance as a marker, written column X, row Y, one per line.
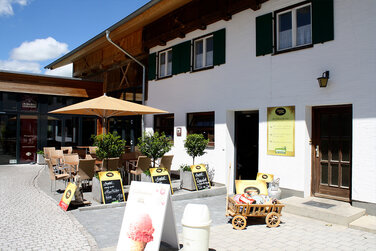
column 111, row 187
column 200, row 177
column 148, row 218
column 160, row 175
column 67, row 196
column 281, row 131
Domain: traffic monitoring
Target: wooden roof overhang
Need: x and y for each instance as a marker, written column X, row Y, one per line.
column 153, row 24
column 42, row 84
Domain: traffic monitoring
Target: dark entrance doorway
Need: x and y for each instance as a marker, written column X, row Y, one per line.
column 28, row 138
column 246, row 144
column 331, row 148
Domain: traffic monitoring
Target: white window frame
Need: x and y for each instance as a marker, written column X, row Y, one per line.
column 293, row 26
column 204, row 59
column 165, row 55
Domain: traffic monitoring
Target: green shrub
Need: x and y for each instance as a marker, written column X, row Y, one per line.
column 195, row 145
column 154, row 146
column 185, row 167
column 109, row 145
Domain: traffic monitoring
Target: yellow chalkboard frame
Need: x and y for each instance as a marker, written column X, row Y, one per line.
column 198, row 169
column 110, row 175
column 160, row 171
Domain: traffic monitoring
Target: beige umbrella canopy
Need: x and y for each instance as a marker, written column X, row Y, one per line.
column 106, row 107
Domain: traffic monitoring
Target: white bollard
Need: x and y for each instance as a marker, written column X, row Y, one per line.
column 196, row 227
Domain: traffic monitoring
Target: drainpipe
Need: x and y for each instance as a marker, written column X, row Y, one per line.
column 143, row 79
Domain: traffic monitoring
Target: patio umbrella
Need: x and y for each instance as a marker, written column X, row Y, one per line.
column 106, row 107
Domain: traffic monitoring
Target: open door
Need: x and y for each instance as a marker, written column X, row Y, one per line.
column 331, row 148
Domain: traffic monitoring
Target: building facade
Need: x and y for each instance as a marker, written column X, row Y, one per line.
column 227, row 79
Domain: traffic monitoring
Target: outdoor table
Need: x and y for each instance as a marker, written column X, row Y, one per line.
column 84, row 147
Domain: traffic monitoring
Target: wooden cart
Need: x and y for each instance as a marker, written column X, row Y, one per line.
column 240, row 212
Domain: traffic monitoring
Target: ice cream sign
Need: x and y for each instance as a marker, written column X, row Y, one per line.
column 148, row 218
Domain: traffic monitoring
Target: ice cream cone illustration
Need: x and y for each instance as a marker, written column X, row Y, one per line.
column 140, row 231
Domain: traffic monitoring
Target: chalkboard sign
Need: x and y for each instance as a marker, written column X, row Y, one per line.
column 112, row 187
column 160, row 175
column 200, row 177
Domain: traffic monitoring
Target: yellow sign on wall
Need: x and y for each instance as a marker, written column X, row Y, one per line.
column 281, row 131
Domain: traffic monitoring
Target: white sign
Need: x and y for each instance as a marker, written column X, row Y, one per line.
column 148, row 218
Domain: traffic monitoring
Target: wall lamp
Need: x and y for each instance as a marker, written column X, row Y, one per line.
column 323, row 80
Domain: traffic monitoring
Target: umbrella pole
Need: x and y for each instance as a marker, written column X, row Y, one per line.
column 103, row 126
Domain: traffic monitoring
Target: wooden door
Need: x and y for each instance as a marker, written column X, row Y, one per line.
column 331, row 148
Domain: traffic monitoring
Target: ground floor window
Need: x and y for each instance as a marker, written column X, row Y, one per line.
column 201, row 123
column 164, row 124
column 8, row 138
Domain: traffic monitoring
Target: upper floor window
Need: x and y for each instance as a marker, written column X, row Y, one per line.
column 203, row 52
column 165, row 63
column 294, row 27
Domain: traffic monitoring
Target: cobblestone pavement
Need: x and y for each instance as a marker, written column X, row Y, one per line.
column 30, row 220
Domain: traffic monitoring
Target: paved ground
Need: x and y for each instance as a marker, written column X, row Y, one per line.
column 30, row 219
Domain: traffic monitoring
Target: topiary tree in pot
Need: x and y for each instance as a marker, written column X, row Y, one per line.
column 195, row 145
column 109, row 146
column 155, row 145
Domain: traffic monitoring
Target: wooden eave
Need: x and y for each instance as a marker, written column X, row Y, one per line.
column 136, row 21
column 40, row 84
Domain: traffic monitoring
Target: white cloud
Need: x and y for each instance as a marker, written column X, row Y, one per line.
column 6, row 8
column 20, row 66
column 39, row 50
column 64, row 71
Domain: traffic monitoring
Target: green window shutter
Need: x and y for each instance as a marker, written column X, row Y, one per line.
column 219, row 47
column 264, row 34
column 322, row 21
column 152, row 66
column 181, row 58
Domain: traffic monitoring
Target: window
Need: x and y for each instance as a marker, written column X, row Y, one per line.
column 164, row 123
column 203, row 52
column 201, row 123
column 294, row 27
column 165, row 63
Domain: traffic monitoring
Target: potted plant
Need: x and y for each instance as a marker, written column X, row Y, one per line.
column 109, row 146
column 154, row 146
column 40, row 158
column 195, row 145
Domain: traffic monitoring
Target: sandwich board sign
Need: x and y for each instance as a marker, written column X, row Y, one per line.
column 160, row 175
column 200, row 177
column 67, row 196
column 148, row 218
column 111, row 187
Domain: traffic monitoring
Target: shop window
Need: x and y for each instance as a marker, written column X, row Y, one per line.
column 164, row 124
column 201, row 123
column 165, row 63
column 8, row 136
column 9, row 101
column 203, row 52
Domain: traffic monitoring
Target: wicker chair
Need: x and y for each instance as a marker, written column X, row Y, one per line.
column 53, row 176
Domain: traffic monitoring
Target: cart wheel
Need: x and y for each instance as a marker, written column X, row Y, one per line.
column 273, row 219
column 239, row 222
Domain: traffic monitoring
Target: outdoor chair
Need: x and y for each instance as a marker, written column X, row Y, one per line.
column 86, row 169
column 143, row 164
column 53, row 176
column 166, row 162
column 81, row 152
column 46, row 151
column 66, row 149
column 56, row 157
column 110, row 164
column 70, row 162
column 93, row 149
column 88, row 156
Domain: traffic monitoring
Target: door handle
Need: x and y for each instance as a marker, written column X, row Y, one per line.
column 317, row 151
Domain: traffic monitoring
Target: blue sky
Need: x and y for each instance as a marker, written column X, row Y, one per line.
column 36, row 32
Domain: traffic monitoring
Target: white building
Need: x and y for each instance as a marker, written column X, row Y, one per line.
column 222, row 79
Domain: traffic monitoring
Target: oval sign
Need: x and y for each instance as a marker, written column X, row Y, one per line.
column 109, row 174
column 280, row 111
column 264, row 176
column 159, row 170
column 198, row 167
column 68, row 194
